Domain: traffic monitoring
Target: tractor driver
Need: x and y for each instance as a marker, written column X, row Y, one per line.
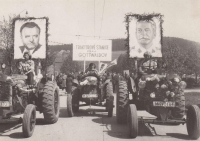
column 91, row 70
column 27, row 67
column 147, row 65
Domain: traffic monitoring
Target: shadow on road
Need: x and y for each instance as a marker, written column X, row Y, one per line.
column 178, row 136
column 16, row 135
column 6, row 127
column 83, row 112
column 120, row 130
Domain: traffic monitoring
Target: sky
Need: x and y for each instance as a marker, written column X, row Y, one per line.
column 104, row 19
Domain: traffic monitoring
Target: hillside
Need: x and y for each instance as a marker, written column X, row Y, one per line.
column 119, row 44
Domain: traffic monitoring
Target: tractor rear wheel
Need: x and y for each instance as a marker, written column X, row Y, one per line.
column 75, row 100
column 50, row 102
column 122, row 103
column 109, row 99
column 69, row 105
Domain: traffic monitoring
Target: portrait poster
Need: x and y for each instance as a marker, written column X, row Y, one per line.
column 30, row 36
column 144, row 35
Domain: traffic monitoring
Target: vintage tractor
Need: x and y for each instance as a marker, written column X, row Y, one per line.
column 17, row 98
column 155, row 90
column 93, row 90
column 160, row 96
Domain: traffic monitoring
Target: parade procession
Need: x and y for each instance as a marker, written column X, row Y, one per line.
column 100, row 70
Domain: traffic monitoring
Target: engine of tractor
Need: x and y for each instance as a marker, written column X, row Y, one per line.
column 159, row 87
column 160, row 93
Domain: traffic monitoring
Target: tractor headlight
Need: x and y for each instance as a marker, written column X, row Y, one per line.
column 142, row 84
column 172, row 94
column 183, row 84
column 153, row 95
column 168, row 93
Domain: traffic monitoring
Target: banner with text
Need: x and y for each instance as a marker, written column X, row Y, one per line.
column 92, row 50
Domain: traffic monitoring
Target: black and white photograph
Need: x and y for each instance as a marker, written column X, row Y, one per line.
column 100, row 70
column 30, row 36
column 145, row 36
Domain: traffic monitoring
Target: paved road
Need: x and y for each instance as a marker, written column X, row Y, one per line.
column 89, row 126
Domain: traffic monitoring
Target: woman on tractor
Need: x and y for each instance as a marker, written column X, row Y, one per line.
column 27, row 67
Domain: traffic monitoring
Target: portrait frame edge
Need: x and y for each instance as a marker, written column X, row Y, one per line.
column 46, row 35
column 128, row 18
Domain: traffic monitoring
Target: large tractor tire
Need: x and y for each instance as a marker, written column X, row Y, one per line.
column 122, row 102
column 69, row 105
column 132, row 121
column 29, row 120
column 75, row 99
column 50, row 102
column 193, row 122
column 179, row 110
column 109, row 99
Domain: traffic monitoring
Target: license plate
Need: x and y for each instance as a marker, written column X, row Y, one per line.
column 89, row 96
column 163, row 104
column 4, row 104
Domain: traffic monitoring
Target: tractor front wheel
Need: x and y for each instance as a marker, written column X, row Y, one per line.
column 193, row 122
column 29, row 120
column 132, row 119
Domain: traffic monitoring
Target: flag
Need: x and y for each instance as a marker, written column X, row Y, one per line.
column 102, row 67
column 114, row 62
column 105, row 66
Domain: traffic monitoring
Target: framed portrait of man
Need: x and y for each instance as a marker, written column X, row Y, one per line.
column 145, row 34
column 30, row 36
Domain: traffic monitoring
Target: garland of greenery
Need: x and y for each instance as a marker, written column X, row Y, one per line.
column 147, row 17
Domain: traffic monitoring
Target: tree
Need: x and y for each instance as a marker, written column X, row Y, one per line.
column 122, row 63
column 175, row 58
column 193, row 62
column 50, row 58
column 70, row 66
column 6, row 41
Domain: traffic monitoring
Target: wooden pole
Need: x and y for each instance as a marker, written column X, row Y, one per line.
column 84, row 64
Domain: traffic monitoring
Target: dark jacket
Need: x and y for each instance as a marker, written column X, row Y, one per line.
column 22, row 48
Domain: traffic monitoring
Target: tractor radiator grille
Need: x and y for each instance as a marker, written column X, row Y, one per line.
column 5, row 91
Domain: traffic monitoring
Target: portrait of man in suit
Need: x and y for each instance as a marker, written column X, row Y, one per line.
column 30, row 35
column 31, row 38
column 145, row 37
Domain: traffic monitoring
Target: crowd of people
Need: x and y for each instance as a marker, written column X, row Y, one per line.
column 63, row 79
